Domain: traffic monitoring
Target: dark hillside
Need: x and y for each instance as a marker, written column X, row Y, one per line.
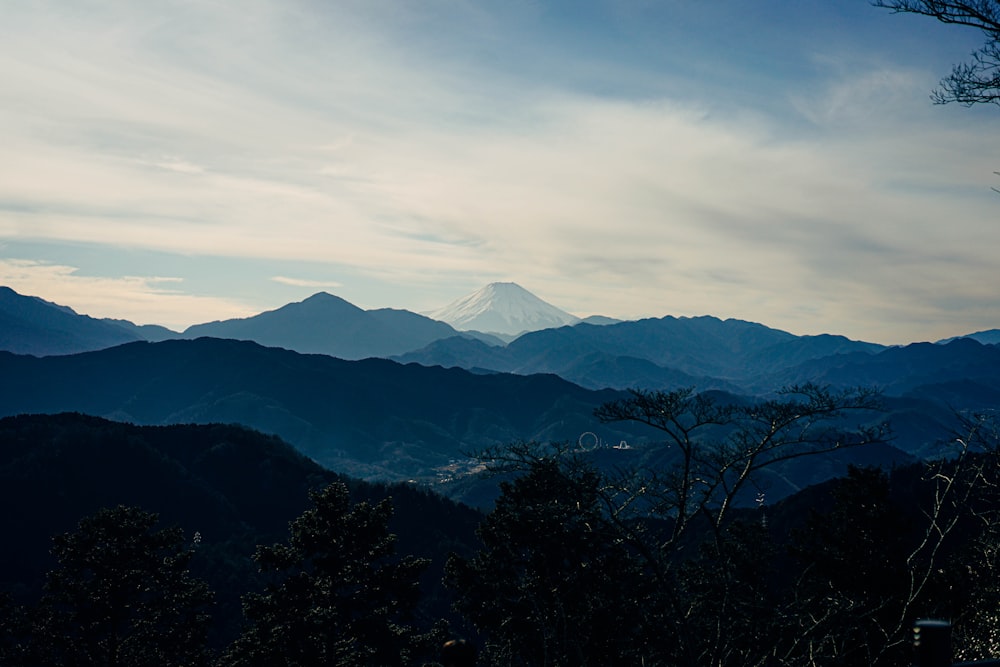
column 237, row 488
column 372, row 418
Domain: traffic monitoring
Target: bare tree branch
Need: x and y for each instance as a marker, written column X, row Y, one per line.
column 976, row 81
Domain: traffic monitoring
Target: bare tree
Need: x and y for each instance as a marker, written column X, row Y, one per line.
column 978, row 80
column 722, row 449
column 713, row 584
column 939, row 559
column 970, row 492
column 694, row 569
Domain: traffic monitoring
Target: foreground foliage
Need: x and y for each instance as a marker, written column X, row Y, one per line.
column 579, row 563
column 121, row 595
column 340, row 599
column 580, row 566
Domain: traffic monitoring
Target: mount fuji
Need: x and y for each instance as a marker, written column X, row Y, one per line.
column 502, row 308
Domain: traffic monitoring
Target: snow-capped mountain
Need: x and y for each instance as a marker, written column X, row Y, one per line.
column 503, row 308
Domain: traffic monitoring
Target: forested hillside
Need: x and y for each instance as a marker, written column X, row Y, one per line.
column 370, row 418
column 574, row 565
column 232, row 487
column 378, row 419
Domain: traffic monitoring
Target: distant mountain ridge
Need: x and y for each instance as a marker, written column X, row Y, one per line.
column 378, row 418
column 988, row 337
column 503, row 308
column 368, row 418
column 154, row 333
column 667, row 352
column 327, row 324
column 30, row 325
column 654, row 353
column 373, row 418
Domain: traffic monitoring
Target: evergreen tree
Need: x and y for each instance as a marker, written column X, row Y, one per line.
column 553, row 584
column 339, row 597
column 15, row 631
column 121, row 595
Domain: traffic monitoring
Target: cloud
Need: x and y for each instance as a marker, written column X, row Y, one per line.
column 420, row 148
column 141, row 299
column 298, row 282
column 855, row 91
column 177, row 164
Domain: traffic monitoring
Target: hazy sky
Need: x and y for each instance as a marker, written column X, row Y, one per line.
column 777, row 161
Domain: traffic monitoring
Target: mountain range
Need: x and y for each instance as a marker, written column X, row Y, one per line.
column 377, row 418
column 667, row 352
column 371, row 418
column 224, row 427
column 653, row 353
column 391, row 394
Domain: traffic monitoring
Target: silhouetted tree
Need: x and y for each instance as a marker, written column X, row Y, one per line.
column 729, row 601
column 553, row 583
column 722, row 449
column 340, row 596
column 854, row 587
column 976, row 81
column 15, row 631
column 121, row 595
column 966, row 502
column 656, row 549
column 977, row 569
column 874, row 566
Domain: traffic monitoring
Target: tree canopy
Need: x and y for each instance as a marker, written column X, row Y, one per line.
column 339, row 596
column 122, row 595
column 582, row 561
column 581, row 564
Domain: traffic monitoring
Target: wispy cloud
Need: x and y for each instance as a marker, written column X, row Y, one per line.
column 440, row 146
column 299, row 282
column 145, row 299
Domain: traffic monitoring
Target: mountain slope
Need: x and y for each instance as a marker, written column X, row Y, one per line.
column 505, row 308
column 327, row 324
column 988, row 337
column 379, row 419
column 29, row 325
column 236, row 487
column 735, row 356
column 904, row 370
column 154, row 333
column 659, row 353
column 371, row 418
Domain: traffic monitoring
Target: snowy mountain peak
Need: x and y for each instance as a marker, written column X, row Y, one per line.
column 504, row 308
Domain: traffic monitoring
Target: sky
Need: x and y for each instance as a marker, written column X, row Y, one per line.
column 777, row 161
